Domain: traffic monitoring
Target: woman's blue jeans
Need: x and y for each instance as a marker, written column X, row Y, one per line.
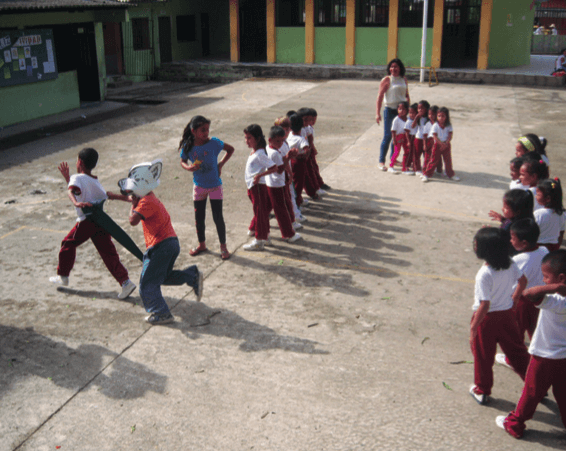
column 158, row 270
column 388, row 115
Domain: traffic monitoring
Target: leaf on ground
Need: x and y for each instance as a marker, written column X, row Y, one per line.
column 280, row 262
column 425, row 339
column 133, row 428
column 459, row 362
column 386, row 298
column 446, row 386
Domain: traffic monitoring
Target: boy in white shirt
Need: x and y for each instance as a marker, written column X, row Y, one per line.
column 548, row 347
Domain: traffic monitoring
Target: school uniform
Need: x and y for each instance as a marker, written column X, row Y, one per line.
column 258, row 162
column 418, row 142
column 547, row 366
column 498, row 327
column 398, row 127
column 516, row 184
column 551, row 225
column 276, row 188
column 298, row 165
column 311, row 183
column 438, row 155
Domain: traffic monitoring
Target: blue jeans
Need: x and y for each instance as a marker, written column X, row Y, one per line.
column 388, row 115
column 158, row 270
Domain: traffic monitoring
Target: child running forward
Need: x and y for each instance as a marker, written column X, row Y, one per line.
column 161, row 242
column 548, row 347
column 84, row 190
column 499, row 284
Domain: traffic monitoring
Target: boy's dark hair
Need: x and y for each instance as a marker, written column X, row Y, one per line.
column 492, row 245
column 313, row 112
column 526, row 229
column 276, row 131
column 556, row 260
column 521, row 202
column 399, row 63
column 89, row 157
column 405, row 104
column 290, row 113
column 553, row 189
column 302, row 112
column 517, row 162
column 414, row 107
column 296, row 123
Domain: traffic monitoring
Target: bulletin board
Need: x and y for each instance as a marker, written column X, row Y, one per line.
column 27, row 56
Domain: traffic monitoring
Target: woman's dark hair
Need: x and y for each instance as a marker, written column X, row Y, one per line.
column 517, row 162
column 188, row 139
column 492, row 245
column 446, row 112
column 399, row 63
column 536, row 167
column 520, row 202
column 296, row 123
column 553, row 189
column 256, row 131
column 276, row 132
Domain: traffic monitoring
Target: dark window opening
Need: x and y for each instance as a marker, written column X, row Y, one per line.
column 373, row 13
column 330, row 13
column 140, row 32
column 186, row 28
column 290, row 13
column 411, row 13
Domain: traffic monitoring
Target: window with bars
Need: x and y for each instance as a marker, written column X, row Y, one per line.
column 411, row 13
column 373, row 13
column 453, row 11
column 290, row 13
column 330, row 13
column 140, row 33
column 474, row 11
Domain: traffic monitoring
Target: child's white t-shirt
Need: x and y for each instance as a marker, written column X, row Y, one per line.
column 90, row 191
column 297, row 142
column 516, row 184
column 306, row 131
column 550, row 225
column 423, row 122
column 398, row 126
column 426, row 130
column 275, row 180
column 549, row 339
column 536, row 205
column 284, row 149
column 257, row 162
column 530, row 263
column 409, row 126
column 497, row 287
column 441, row 133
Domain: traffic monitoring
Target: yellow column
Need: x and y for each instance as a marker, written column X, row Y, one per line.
column 437, row 34
column 234, row 31
column 485, row 30
column 393, row 29
column 271, row 47
column 309, row 31
column 350, row 32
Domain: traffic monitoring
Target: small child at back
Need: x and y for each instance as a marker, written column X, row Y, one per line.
column 548, row 347
column 84, row 190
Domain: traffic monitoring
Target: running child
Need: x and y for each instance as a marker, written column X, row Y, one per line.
column 411, row 130
column 398, row 137
column 531, row 172
column 551, row 218
column 257, row 167
column 161, row 242
column 199, row 155
column 548, row 347
column 84, row 190
column 419, row 142
column 499, row 284
column 442, row 133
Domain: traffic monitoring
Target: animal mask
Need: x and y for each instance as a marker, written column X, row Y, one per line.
column 142, row 179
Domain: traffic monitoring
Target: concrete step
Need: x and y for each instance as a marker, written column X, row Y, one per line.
column 117, row 82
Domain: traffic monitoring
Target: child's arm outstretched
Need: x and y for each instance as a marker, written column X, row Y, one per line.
column 495, row 216
column 229, row 151
column 114, row 196
column 536, row 294
column 64, row 170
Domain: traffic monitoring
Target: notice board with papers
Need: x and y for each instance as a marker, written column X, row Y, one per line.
column 27, row 56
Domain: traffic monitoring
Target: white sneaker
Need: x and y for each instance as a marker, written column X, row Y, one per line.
column 500, row 421
column 321, row 192
column 300, row 218
column 408, row 173
column 500, row 358
column 255, row 245
column 251, row 232
column 454, row 179
column 268, row 242
column 59, row 280
column 294, row 238
column 419, row 173
column 297, row 225
column 424, row 178
column 305, row 203
column 481, row 399
column 127, row 288
column 383, row 168
column 393, row 171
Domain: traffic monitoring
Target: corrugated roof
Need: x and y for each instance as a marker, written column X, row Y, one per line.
column 14, row 5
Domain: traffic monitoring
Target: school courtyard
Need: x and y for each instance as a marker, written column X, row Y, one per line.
column 356, row 337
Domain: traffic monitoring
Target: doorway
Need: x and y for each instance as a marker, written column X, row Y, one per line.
column 253, row 31
column 164, row 24
column 205, row 34
column 461, row 32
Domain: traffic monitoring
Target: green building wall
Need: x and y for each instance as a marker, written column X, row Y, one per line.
column 511, row 33
column 329, row 45
column 371, row 46
column 290, row 45
column 409, row 46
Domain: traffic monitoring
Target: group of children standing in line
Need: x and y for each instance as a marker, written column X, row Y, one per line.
column 522, row 288
column 422, row 131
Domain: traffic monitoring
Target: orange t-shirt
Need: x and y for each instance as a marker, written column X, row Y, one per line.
column 156, row 221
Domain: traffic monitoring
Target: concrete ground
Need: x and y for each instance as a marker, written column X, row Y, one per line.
column 354, row 338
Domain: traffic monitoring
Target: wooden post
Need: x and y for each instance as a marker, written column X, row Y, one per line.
column 437, row 34
column 485, row 30
column 234, row 31
column 350, row 32
column 271, row 32
column 309, row 31
column 393, row 37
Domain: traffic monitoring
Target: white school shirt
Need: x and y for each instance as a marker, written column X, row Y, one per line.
column 398, row 126
column 275, row 180
column 530, row 263
column 90, row 191
column 409, row 126
column 426, row 130
column 550, row 225
column 297, row 142
column 497, row 287
column 423, row 122
column 516, row 184
column 441, row 133
column 549, row 339
column 536, row 205
column 306, row 131
column 257, row 162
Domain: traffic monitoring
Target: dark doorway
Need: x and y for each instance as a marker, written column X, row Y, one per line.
column 113, row 48
column 75, row 49
column 460, row 38
column 205, row 34
column 253, row 31
column 164, row 24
